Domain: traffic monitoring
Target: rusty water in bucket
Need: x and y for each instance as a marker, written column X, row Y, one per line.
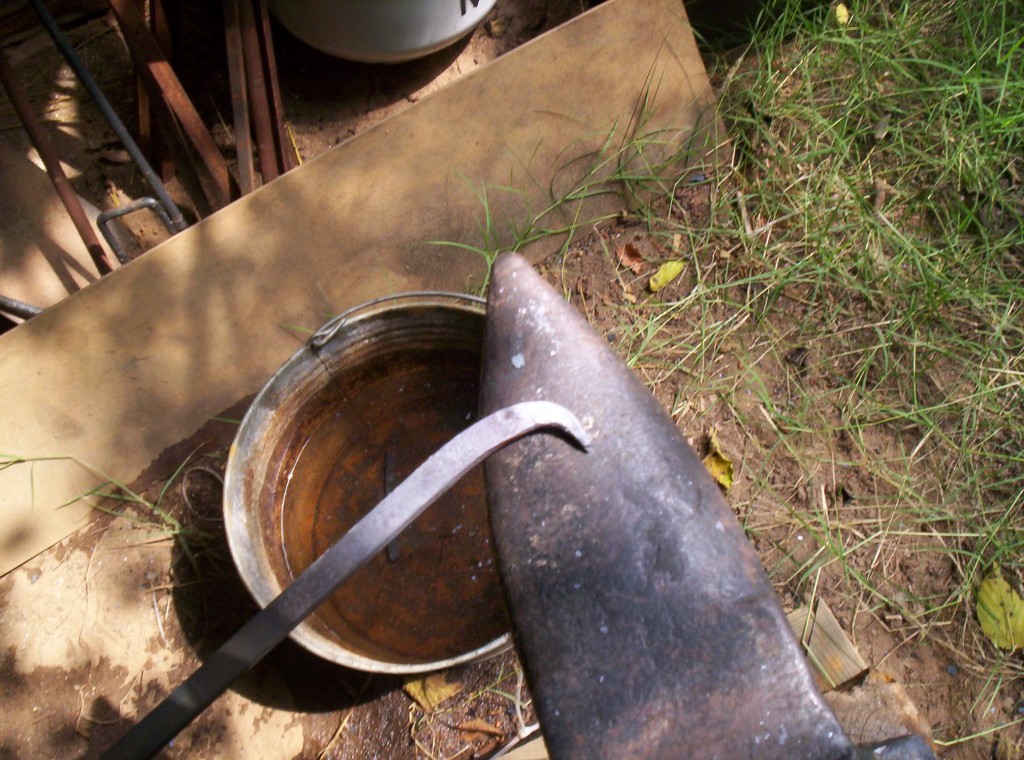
column 435, row 593
column 345, row 420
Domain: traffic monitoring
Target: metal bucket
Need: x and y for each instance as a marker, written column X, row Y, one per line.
column 347, row 418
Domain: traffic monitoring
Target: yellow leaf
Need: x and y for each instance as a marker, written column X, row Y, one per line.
column 718, row 464
column 842, row 14
column 666, row 273
column 431, row 691
column 1000, row 611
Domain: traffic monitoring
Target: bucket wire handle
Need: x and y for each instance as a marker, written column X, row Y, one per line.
column 333, row 326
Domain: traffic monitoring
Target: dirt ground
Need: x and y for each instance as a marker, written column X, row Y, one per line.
column 167, row 546
column 593, row 278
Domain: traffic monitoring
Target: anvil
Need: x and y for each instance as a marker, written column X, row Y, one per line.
column 647, row 625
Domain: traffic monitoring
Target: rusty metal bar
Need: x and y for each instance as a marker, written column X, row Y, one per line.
column 144, row 129
column 152, row 137
column 51, row 161
column 258, row 99
column 239, row 97
column 162, row 82
column 178, row 154
column 285, row 155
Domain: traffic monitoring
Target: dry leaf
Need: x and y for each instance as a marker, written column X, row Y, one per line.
column 630, row 257
column 478, row 725
column 718, row 464
column 431, row 691
column 1000, row 611
column 842, row 14
column 666, row 273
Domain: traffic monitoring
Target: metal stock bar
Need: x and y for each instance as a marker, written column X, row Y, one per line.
column 368, row 537
column 18, row 308
column 173, row 215
column 162, row 83
column 51, row 161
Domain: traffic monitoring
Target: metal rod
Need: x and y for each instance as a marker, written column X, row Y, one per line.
column 285, row 154
column 258, row 93
column 177, row 221
column 178, row 155
column 239, row 97
column 162, row 82
column 103, row 221
column 148, row 131
column 18, row 308
column 51, row 161
column 160, row 24
column 395, row 513
column 143, row 116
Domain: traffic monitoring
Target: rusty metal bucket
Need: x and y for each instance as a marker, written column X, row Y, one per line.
column 349, row 416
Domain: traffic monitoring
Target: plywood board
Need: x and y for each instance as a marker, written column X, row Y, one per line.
column 42, row 257
column 100, row 384
column 833, row 657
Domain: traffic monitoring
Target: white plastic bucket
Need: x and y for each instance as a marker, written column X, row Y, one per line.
column 380, row 31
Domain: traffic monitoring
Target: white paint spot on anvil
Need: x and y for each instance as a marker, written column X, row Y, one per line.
column 518, row 361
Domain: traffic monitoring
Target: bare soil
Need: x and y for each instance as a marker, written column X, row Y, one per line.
column 593, row 278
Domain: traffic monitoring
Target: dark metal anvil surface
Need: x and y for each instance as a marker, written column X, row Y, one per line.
column 646, row 623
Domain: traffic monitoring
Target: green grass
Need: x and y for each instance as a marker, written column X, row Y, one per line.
column 116, row 498
column 634, row 161
column 872, row 215
column 890, row 153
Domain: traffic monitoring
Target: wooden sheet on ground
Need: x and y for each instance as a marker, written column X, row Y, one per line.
column 99, row 385
column 42, row 257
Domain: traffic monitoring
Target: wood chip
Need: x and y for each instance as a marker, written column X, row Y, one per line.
column 835, row 659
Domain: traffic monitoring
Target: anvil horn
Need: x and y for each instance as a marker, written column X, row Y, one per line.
column 646, row 623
